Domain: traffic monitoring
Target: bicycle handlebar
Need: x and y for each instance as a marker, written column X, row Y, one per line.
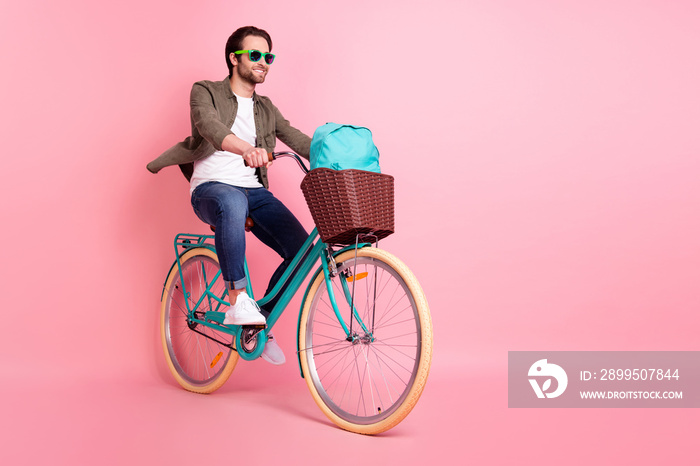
column 274, row 155
column 270, row 158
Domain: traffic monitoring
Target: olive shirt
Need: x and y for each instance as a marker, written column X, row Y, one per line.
column 213, row 108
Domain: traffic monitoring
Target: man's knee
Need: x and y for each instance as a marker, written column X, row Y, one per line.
column 232, row 204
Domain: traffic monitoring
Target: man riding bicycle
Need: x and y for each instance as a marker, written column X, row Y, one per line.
column 233, row 126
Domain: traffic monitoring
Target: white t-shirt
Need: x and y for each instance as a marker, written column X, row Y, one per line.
column 227, row 167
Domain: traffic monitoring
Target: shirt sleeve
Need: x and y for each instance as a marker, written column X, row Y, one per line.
column 295, row 139
column 205, row 116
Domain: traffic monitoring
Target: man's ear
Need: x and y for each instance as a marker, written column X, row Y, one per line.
column 233, row 58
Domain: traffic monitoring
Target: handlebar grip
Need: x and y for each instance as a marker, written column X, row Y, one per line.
column 270, row 158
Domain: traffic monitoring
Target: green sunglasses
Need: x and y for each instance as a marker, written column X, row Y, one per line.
column 256, row 55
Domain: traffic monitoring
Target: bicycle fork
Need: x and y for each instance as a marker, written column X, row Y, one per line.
column 330, row 270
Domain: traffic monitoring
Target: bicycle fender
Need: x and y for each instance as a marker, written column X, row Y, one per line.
column 306, row 294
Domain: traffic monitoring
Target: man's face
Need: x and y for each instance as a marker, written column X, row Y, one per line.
column 254, row 73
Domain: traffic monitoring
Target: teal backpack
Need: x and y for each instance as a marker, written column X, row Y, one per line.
column 343, row 147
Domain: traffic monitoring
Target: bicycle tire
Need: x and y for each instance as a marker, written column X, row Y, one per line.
column 198, row 363
column 370, row 385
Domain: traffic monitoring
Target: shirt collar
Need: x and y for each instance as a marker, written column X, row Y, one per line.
column 230, row 94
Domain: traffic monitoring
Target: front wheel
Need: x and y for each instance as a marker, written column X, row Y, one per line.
column 367, row 382
column 200, row 358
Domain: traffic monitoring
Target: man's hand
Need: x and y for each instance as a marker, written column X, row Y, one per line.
column 256, row 157
column 253, row 156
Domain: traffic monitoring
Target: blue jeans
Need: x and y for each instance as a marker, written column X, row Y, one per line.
column 227, row 207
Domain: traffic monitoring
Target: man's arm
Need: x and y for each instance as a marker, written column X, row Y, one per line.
column 205, row 116
column 254, row 156
column 295, row 139
column 206, row 119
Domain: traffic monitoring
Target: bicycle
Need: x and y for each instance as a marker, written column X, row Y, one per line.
column 364, row 339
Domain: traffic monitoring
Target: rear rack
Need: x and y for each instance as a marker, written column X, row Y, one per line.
column 189, row 241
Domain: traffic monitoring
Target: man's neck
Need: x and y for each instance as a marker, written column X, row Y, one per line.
column 241, row 87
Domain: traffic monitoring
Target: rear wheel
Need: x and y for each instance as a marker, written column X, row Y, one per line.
column 371, row 381
column 200, row 358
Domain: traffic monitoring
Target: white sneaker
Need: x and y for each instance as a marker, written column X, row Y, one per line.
column 272, row 352
column 244, row 312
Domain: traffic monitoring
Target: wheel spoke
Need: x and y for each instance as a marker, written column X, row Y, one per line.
column 368, row 379
column 191, row 347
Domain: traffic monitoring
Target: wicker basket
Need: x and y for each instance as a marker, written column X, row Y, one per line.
column 345, row 203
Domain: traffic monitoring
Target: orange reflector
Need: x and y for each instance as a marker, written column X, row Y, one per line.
column 359, row 276
column 216, row 359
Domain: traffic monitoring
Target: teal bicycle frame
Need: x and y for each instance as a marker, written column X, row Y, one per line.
column 297, row 272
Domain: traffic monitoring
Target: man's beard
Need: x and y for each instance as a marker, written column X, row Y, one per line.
column 250, row 76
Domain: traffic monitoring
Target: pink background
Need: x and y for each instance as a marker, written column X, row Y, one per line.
column 546, row 156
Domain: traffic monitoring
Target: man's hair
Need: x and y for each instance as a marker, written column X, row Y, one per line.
column 235, row 42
